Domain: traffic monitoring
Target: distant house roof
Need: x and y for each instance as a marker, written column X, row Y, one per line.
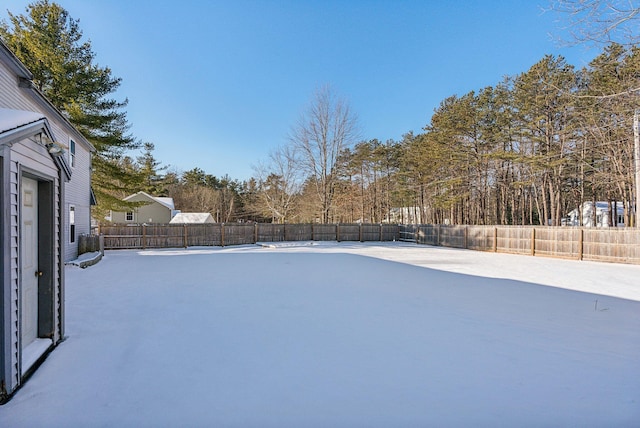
column 167, row 202
column 192, row 218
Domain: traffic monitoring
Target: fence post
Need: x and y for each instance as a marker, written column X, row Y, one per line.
column 284, row 231
column 83, row 243
column 533, row 241
column 466, row 237
column 581, row 244
column 186, row 240
column 312, row 233
column 360, row 232
column 338, row 232
column 222, row 234
column 438, row 235
column 495, row 239
column 255, row 233
column 381, row 233
column 144, row 236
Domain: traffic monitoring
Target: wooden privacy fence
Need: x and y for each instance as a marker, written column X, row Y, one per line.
column 596, row 244
column 223, row 234
column 620, row 245
column 90, row 243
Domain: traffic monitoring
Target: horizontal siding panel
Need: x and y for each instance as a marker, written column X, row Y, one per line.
column 36, row 159
column 11, row 93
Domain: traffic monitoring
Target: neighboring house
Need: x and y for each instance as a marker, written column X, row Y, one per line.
column 155, row 210
column 45, row 203
column 192, row 218
column 602, row 217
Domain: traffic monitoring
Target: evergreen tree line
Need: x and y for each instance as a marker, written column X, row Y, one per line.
column 531, row 148
column 525, row 151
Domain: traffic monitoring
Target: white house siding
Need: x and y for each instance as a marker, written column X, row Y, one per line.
column 77, row 190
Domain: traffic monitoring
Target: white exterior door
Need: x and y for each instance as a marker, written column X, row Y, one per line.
column 29, row 262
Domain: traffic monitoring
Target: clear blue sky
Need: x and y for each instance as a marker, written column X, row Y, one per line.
column 217, row 84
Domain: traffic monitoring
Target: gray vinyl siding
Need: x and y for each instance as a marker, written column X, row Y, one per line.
column 9, row 91
column 78, row 189
column 77, row 194
column 14, row 377
column 34, row 159
column 24, row 156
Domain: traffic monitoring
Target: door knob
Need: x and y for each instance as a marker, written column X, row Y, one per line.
column 38, row 273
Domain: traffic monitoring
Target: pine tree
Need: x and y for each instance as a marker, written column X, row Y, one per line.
column 50, row 43
column 149, row 168
column 546, row 112
column 607, row 123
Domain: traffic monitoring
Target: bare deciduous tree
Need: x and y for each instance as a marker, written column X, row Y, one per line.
column 326, row 128
column 279, row 183
column 600, row 21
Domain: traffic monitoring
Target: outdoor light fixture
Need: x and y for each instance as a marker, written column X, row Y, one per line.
column 55, row 149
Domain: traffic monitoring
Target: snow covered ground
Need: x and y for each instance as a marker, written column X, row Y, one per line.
column 340, row 335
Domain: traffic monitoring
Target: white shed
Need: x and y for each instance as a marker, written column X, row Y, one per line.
column 192, row 218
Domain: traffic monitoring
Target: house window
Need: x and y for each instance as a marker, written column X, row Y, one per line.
column 72, row 224
column 72, row 153
column 129, row 216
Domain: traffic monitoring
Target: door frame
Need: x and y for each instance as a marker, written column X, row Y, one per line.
column 46, row 253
